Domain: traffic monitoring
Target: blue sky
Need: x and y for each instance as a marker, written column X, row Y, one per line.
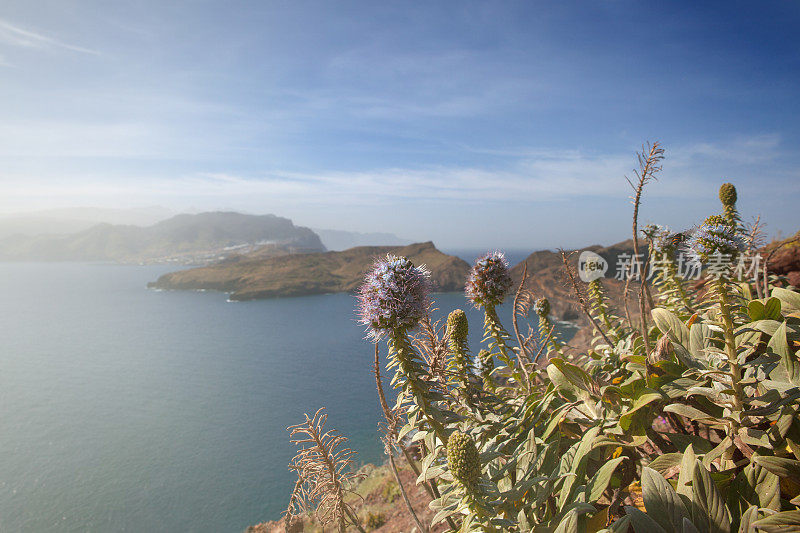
column 474, row 124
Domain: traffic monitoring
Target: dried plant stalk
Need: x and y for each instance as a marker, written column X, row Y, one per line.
column 649, row 165
column 324, row 472
column 579, row 294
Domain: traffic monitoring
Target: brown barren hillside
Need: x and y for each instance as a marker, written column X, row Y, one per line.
column 546, row 279
column 249, row 278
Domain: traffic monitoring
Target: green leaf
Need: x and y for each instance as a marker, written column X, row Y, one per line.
column 748, row 518
column 757, row 486
column 621, row 525
column 779, row 344
column 779, row 466
column 522, row 520
column 687, row 471
column 755, row 310
column 690, row 412
column 790, row 300
column 708, row 498
column 577, row 466
column 573, row 373
column 772, row 309
column 699, row 340
column 601, row 479
column 661, row 500
column 688, row 526
column 641, row 522
column 682, row 441
column 641, row 401
column 671, row 325
column 662, row 463
column 569, row 524
column 562, row 383
column 786, row 522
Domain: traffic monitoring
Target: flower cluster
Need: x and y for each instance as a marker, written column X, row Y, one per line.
column 663, row 240
column 394, row 296
column 489, row 280
column 715, row 237
column 463, row 459
column 542, row 307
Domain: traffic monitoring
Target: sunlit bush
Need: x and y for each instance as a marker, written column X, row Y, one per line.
column 683, row 418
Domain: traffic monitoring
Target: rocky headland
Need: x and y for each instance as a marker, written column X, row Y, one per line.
column 250, row 276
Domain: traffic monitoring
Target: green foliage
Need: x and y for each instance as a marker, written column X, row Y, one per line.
column 390, row 492
column 375, row 520
column 700, row 434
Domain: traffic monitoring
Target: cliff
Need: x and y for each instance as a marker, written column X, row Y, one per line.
column 546, row 279
column 250, row 277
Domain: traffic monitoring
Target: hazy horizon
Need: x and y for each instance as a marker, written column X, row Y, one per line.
column 469, row 124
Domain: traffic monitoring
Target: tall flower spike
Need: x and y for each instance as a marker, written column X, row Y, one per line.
column 463, row 459
column 457, row 331
column 715, row 236
column 457, row 326
column 489, row 280
column 727, row 194
column 395, row 296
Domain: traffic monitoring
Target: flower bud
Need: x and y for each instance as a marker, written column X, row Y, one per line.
column 727, row 194
column 463, row 459
column 457, row 326
column 542, row 307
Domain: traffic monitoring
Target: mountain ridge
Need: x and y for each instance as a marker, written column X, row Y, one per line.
column 186, row 238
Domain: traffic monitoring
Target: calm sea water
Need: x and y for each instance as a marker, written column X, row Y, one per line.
column 127, row 409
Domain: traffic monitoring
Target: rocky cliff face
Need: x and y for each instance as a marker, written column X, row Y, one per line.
column 546, row 278
column 252, row 277
column 784, row 258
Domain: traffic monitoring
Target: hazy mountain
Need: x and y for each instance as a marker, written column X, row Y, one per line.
column 183, row 238
column 342, row 240
column 75, row 219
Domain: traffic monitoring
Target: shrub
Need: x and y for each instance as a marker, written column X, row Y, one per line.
column 681, row 419
column 375, row 520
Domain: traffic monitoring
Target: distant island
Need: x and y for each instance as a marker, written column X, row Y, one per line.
column 184, row 239
column 250, row 277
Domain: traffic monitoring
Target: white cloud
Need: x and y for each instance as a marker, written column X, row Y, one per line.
column 16, row 36
column 540, row 175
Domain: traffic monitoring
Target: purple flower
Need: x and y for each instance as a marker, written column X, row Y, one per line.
column 395, row 295
column 489, row 280
column 664, row 241
column 715, row 237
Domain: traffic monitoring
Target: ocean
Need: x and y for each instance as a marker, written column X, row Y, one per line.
column 128, row 409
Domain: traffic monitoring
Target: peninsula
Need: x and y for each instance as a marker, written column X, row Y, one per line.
column 250, row 277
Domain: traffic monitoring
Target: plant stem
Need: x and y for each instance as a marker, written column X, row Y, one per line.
column 495, row 329
column 733, row 362
column 422, row 528
column 401, row 348
column 730, row 343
